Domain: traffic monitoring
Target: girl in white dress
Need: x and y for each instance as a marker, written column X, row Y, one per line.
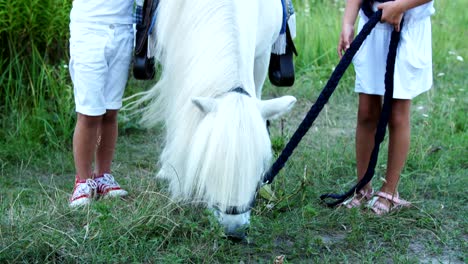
column 413, row 75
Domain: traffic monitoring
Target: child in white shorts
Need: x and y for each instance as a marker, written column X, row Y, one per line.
column 413, row 75
column 101, row 45
column 100, row 56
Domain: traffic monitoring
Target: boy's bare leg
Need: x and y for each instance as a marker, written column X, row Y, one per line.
column 84, row 144
column 369, row 110
column 108, row 132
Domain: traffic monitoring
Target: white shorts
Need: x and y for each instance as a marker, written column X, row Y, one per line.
column 413, row 66
column 100, row 56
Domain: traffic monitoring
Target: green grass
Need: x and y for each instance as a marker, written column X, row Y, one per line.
column 36, row 174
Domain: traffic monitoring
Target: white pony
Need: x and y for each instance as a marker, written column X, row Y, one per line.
column 214, row 56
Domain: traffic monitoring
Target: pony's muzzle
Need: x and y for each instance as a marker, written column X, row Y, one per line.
column 235, row 225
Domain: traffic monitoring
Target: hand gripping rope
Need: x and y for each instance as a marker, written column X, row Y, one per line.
column 327, row 91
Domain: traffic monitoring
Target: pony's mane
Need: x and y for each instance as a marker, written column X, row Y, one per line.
column 229, row 153
column 198, row 49
column 216, row 158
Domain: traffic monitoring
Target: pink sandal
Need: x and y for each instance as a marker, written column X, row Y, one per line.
column 380, row 208
column 357, row 198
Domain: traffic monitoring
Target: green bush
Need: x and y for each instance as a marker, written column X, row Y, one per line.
column 41, row 24
column 36, row 96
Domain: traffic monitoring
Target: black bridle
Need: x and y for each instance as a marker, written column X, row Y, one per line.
column 240, row 90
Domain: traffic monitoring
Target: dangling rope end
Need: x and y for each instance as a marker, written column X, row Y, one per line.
column 339, row 198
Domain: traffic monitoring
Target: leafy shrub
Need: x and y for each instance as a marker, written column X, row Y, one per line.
column 36, row 96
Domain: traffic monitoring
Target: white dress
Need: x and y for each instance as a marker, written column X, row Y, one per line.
column 413, row 66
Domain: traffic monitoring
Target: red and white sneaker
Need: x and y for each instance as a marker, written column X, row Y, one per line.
column 108, row 187
column 83, row 192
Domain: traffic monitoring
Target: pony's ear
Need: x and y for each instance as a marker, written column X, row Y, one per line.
column 205, row 104
column 274, row 108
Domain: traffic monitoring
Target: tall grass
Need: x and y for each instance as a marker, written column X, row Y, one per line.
column 317, row 27
column 37, row 23
column 35, row 96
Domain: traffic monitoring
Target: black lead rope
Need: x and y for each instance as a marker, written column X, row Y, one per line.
column 324, row 97
column 381, row 126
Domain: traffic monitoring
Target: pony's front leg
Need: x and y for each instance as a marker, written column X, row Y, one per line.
column 260, row 72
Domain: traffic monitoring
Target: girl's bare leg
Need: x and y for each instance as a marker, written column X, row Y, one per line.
column 369, row 110
column 399, row 142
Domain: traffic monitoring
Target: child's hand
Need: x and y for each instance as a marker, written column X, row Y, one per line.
column 346, row 37
column 392, row 13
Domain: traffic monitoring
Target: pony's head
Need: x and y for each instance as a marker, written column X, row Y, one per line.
column 231, row 149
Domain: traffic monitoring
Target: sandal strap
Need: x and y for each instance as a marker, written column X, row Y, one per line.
column 394, row 198
column 378, row 207
column 355, row 200
column 367, row 195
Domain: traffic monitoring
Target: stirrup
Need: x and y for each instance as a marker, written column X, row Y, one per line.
column 281, row 68
column 143, row 66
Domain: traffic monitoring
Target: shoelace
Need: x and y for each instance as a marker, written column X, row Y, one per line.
column 83, row 188
column 109, row 179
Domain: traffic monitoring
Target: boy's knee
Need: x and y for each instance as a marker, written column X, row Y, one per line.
column 89, row 121
column 110, row 116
